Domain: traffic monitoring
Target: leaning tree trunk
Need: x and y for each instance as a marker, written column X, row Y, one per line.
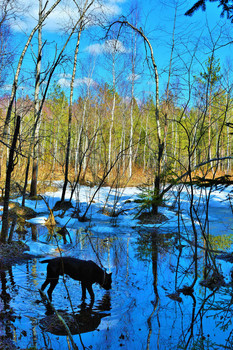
column 16, row 77
column 10, row 167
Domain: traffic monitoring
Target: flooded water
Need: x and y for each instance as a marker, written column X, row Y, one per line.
column 142, row 310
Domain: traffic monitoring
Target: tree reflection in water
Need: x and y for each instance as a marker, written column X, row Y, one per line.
column 154, row 257
column 7, row 314
column 148, row 305
column 191, row 322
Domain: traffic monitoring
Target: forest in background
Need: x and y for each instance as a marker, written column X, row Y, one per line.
column 105, row 126
column 109, row 134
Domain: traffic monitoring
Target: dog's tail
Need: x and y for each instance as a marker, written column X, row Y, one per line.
column 45, row 261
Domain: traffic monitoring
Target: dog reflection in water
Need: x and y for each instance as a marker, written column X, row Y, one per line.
column 87, row 272
column 83, row 321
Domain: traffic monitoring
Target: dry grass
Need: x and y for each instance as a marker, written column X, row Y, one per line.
column 47, row 178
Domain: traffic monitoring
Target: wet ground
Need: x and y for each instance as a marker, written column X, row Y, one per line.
column 143, row 310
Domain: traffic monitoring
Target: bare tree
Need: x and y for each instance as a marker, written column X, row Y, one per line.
column 7, row 12
column 17, row 73
column 35, row 136
column 10, row 168
column 83, row 12
column 70, row 115
column 16, row 77
column 159, row 154
column 114, row 57
column 133, row 78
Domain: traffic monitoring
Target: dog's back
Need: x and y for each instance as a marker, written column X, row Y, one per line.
column 81, row 270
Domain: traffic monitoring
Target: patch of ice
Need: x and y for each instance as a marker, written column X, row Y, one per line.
column 38, row 220
column 38, row 249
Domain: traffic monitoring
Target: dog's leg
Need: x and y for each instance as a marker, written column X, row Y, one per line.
column 83, row 290
column 90, row 291
column 44, row 285
column 53, row 284
column 49, row 277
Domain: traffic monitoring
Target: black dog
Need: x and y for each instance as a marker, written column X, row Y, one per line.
column 85, row 271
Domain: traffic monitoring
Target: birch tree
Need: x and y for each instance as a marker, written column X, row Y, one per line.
column 8, row 9
column 20, row 62
column 70, row 115
column 114, row 47
column 132, row 78
column 82, row 13
column 35, row 135
column 10, row 161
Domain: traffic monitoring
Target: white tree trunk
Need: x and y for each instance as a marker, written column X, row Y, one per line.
column 35, row 135
column 112, row 114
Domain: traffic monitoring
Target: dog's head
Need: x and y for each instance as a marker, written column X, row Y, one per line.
column 107, row 281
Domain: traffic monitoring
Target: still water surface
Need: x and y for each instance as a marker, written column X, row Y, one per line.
column 140, row 312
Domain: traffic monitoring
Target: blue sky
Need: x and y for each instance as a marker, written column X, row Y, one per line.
column 194, row 40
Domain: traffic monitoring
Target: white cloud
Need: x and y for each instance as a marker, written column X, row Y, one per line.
column 95, row 49
column 128, row 100
column 7, row 87
column 64, row 83
column 65, row 80
column 109, row 46
column 63, row 14
column 84, row 81
column 28, row 18
column 133, row 77
column 115, row 45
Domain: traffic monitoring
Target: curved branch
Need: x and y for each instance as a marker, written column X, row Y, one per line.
column 156, row 75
